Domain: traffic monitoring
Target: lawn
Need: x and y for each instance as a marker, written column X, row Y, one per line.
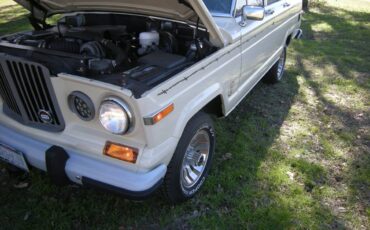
column 295, row 155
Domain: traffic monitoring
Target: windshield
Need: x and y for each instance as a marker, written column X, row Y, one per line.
column 219, row 7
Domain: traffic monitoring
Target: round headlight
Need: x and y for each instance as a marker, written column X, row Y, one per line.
column 115, row 116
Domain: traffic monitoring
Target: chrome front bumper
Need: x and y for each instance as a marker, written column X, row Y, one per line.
column 82, row 169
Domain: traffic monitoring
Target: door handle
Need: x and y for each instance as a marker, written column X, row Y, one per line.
column 269, row 12
column 286, row 4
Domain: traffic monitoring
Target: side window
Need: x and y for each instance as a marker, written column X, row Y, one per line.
column 269, row 2
column 238, row 7
column 220, row 7
column 255, row 2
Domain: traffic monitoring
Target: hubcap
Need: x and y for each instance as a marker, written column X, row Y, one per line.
column 281, row 65
column 195, row 159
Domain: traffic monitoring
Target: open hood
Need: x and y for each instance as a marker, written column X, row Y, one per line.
column 182, row 10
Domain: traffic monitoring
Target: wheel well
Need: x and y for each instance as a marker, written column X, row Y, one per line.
column 288, row 40
column 214, row 107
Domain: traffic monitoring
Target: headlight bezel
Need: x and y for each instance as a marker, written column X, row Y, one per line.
column 125, row 108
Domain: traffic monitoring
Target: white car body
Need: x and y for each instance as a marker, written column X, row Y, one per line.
column 244, row 56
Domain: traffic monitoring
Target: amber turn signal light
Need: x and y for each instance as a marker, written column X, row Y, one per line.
column 159, row 116
column 120, row 152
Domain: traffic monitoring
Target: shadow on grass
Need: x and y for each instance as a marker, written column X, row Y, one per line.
column 357, row 176
column 350, row 53
column 344, row 45
column 242, row 185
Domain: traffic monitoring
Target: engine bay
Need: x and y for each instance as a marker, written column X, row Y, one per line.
column 134, row 52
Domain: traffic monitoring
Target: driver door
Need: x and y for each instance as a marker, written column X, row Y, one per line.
column 258, row 45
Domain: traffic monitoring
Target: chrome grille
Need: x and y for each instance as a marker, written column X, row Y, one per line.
column 6, row 94
column 28, row 94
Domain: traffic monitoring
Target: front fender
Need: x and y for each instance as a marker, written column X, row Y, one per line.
column 163, row 137
column 195, row 105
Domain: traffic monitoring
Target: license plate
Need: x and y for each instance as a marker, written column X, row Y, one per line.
column 13, row 156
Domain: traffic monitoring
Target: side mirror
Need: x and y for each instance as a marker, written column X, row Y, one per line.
column 252, row 13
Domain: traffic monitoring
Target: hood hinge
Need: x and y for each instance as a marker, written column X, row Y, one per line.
column 37, row 16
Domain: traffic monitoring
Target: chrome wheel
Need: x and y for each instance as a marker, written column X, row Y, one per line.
column 192, row 159
column 281, row 65
column 195, row 159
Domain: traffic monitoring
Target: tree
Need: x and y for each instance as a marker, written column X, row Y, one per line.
column 305, row 5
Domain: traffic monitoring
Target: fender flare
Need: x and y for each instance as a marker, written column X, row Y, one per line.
column 195, row 105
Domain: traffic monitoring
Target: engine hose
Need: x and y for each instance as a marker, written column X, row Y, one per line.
column 94, row 49
column 65, row 46
column 119, row 54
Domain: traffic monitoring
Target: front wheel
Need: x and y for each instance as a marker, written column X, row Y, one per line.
column 275, row 74
column 191, row 161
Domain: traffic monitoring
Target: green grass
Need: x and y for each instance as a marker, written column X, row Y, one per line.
column 13, row 17
column 299, row 149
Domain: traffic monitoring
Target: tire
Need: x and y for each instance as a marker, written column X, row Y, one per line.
column 13, row 170
column 190, row 160
column 275, row 74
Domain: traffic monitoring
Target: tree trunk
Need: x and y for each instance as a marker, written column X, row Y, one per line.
column 305, row 5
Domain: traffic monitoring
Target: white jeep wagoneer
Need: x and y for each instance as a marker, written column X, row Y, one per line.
column 118, row 94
